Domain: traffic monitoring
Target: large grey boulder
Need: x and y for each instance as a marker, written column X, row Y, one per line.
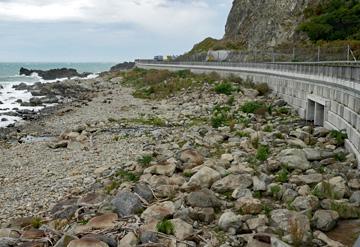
column 229, row 220
column 204, row 198
column 325, row 220
column 232, row 182
column 294, row 159
column 127, row 203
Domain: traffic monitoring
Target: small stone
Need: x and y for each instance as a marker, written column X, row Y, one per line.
column 325, row 220
column 354, row 184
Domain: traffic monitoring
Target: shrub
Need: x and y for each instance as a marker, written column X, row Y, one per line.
column 219, row 120
column 340, row 156
column 339, row 136
column 166, row 227
column 251, row 106
column 296, row 231
column 145, row 160
column 127, row 176
column 224, row 88
column 268, row 128
column 262, row 153
column 262, row 88
column 283, row 175
column 156, row 76
column 36, row 222
column 230, row 101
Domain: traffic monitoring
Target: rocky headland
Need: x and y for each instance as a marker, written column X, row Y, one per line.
column 175, row 159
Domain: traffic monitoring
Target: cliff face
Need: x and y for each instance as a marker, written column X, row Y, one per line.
column 265, row 23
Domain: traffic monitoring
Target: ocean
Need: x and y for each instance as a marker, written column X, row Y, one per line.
column 9, row 76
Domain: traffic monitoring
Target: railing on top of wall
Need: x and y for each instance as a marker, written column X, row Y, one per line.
column 348, row 71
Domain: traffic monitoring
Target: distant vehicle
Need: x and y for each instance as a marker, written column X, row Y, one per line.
column 159, row 58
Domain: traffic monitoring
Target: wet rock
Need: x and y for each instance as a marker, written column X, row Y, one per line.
column 232, row 182
column 294, row 158
column 204, row 198
column 127, row 203
column 325, row 220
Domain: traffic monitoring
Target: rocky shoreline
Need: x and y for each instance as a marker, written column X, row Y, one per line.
column 108, row 169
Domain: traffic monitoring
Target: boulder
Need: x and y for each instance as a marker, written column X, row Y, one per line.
column 53, row 73
column 204, row 198
column 144, row 191
column 355, row 197
column 158, row 211
column 127, row 203
column 166, row 170
column 130, row 240
column 329, row 242
column 305, row 203
column 232, row 182
column 282, row 218
column 230, row 220
column 182, row 229
column 87, row 242
column 325, row 220
column 191, row 157
column 204, row 178
column 294, row 159
column 249, row 205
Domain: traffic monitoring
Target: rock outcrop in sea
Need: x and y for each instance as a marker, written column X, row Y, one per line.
column 54, row 74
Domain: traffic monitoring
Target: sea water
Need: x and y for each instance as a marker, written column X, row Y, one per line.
column 9, row 76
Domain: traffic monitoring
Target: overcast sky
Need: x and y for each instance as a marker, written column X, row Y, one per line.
column 105, row 30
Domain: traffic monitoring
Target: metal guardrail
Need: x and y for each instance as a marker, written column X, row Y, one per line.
column 348, row 71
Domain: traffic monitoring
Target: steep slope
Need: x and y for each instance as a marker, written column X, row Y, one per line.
column 265, row 23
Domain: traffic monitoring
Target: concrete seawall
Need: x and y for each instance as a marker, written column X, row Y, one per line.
column 328, row 101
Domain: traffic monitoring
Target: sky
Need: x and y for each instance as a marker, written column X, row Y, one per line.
column 105, row 30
